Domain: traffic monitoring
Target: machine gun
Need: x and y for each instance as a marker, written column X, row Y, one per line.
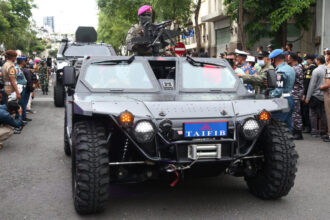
column 155, row 36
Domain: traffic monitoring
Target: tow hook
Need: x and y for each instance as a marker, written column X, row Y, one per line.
column 171, row 168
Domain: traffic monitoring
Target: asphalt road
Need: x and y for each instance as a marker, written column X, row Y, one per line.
column 35, row 183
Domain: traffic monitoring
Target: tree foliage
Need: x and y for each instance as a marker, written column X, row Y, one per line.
column 275, row 13
column 53, row 53
column 16, row 26
column 117, row 16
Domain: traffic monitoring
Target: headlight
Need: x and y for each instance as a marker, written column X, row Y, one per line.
column 144, row 131
column 250, row 129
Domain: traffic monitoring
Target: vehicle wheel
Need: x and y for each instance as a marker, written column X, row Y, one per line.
column 278, row 171
column 90, row 167
column 59, row 95
column 67, row 149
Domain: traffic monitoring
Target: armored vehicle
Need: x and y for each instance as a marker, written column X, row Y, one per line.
column 68, row 54
column 131, row 119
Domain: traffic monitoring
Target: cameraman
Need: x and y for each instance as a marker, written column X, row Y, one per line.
column 7, row 122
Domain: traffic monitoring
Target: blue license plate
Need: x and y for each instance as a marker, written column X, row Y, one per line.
column 205, row 129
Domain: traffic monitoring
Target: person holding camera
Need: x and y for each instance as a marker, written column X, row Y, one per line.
column 9, row 75
column 7, row 121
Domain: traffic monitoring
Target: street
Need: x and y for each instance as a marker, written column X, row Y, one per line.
column 35, row 183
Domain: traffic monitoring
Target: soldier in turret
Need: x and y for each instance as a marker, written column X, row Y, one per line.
column 137, row 30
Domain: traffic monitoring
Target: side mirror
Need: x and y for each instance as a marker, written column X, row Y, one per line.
column 69, row 76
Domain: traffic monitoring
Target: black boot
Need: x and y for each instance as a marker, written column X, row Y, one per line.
column 297, row 135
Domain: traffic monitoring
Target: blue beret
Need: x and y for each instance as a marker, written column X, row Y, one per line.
column 22, row 58
column 275, row 53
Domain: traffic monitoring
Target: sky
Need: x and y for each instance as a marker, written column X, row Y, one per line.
column 68, row 14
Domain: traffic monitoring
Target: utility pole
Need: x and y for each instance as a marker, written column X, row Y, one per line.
column 240, row 24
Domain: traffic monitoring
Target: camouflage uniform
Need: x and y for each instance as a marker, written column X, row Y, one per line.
column 138, row 49
column 297, row 94
column 257, row 80
column 43, row 79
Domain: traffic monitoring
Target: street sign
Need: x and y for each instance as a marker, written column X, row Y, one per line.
column 180, row 49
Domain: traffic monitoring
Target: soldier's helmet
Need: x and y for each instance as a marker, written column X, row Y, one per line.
column 145, row 8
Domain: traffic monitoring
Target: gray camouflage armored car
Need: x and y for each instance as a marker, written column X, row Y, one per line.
column 69, row 52
column 131, row 119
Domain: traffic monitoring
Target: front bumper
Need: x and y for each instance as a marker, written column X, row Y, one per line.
column 177, row 150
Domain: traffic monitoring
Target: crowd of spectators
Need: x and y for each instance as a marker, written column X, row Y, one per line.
column 19, row 77
column 310, row 92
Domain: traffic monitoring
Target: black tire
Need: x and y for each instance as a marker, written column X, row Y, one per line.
column 59, row 93
column 90, row 167
column 276, row 178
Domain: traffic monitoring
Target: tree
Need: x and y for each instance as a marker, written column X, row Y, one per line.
column 117, row 16
column 177, row 11
column 15, row 26
column 53, row 53
column 197, row 31
column 240, row 24
column 268, row 18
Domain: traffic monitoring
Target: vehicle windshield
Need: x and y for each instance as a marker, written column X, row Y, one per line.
column 207, row 77
column 118, row 76
column 86, row 50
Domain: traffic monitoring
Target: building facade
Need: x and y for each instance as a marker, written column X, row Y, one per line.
column 322, row 27
column 219, row 34
column 48, row 21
